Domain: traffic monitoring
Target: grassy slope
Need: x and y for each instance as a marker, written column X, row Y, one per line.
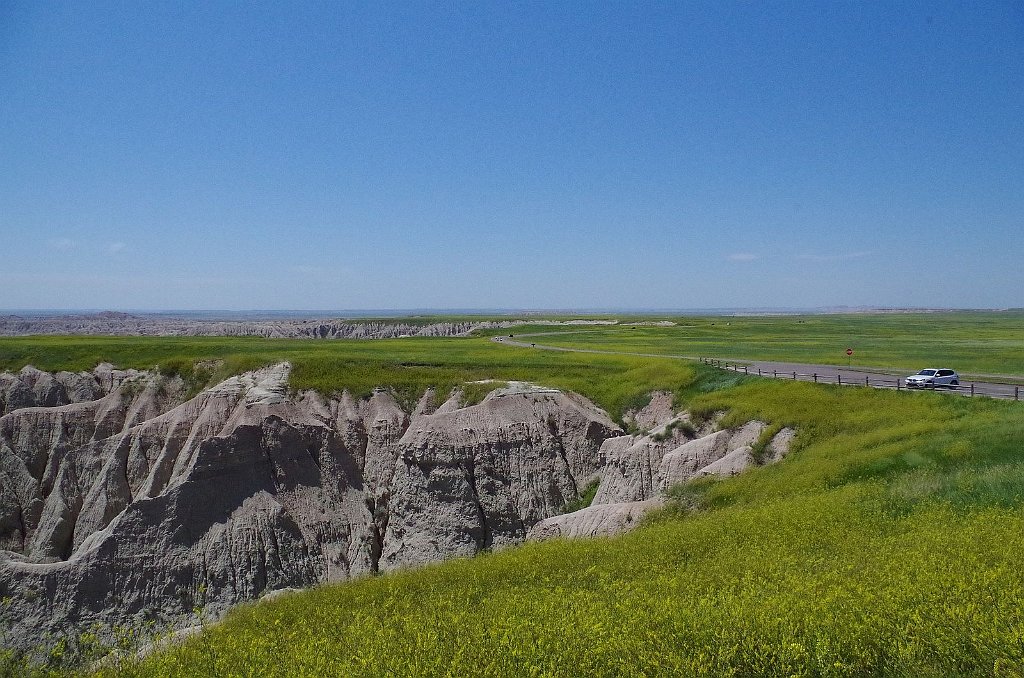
column 972, row 343
column 889, row 543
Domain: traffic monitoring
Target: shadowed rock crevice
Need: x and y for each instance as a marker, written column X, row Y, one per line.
column 559, row 449
column 485, row 539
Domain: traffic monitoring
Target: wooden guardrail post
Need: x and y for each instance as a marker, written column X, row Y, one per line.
column 815, row 375
column 1016, row 392
column 972, row 389
column 794, row 376
column 774, row 374
column 839, row 379
column 867, row 380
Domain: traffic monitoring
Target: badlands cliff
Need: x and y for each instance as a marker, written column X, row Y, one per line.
column 122, row 502
column 153, row 324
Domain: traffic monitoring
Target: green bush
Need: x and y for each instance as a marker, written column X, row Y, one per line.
column 585, row 499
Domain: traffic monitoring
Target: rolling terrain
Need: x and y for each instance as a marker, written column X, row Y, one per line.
column 885, row 543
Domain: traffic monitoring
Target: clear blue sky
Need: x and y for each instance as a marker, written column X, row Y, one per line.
column 522, row 155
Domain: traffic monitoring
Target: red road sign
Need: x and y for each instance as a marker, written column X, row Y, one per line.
column 849, row 351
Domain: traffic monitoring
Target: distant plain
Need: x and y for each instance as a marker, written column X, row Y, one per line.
column 975, row 343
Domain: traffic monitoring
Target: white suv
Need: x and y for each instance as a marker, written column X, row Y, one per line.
column 931, row 378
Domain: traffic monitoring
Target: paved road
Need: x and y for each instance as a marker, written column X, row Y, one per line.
column 823, row 374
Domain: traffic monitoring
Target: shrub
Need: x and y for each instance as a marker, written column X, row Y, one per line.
column 585, row 498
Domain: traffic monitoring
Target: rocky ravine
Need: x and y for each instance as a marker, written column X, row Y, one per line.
column 134, row 505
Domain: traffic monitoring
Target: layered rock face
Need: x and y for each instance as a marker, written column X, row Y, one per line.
column 34, row 388
column 50, row 457
column 638, row 470
column 493, row 471
column 136, row 505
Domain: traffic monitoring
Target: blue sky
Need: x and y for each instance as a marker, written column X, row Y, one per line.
column 342, row 155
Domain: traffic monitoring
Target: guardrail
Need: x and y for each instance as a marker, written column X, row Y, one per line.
column 880, row 381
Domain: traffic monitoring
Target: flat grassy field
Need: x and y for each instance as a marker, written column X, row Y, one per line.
column 405, row 366
column 973, row 343
column 888, row 543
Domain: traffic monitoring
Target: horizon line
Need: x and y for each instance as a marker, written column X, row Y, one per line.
column 471, row 311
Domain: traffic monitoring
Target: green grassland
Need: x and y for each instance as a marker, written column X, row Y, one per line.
column 888, row 544
column 405, row 366
column 974, row 343
column 971, row 342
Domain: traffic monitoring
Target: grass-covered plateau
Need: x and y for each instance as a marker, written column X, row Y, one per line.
column 407, row 367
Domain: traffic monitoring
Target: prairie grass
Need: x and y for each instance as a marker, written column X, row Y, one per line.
column 405, row 366
column 970, row 342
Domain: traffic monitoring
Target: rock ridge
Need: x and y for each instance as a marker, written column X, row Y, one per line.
column 124, row 324
column 139, row 505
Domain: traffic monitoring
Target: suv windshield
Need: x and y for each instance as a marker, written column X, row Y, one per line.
column 927, row 373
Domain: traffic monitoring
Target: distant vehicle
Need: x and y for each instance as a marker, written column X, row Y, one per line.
column 931, row 378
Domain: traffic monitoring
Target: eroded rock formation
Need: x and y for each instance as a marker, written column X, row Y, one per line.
column 161, row 324
column 34, row 388
column 638, row 470
column 136, row 505
column 121, row 501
